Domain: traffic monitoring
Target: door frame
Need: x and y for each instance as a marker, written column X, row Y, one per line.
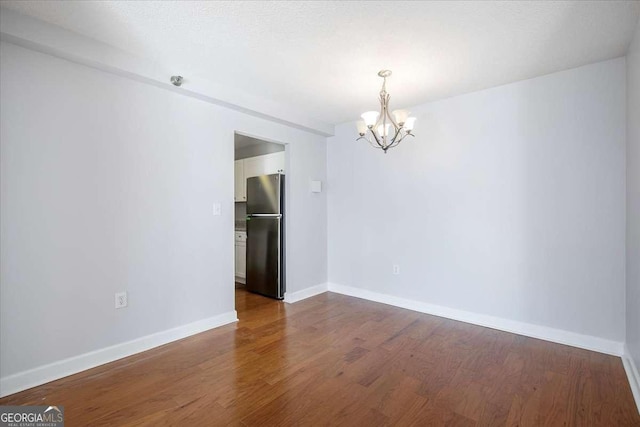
column 287, row 197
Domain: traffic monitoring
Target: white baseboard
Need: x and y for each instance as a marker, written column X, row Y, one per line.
column 62, row 368
column 632, row 374
column 560, row 336
column 241, row 279
column 292, row 297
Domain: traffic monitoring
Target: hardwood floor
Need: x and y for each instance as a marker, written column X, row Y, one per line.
column 337, row 360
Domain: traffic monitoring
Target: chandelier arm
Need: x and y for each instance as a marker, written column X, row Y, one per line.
column 376, row 138
column 388, row 116
column 396, row 142
column 374, row 145
column 384, row 135
column 403, row 137
column 382, row 111
column 395, row 125
column 369, row 141
column 395, row 137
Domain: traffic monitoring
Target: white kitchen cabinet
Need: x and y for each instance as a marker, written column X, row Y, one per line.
column 240, row 193
column 264, row 165
column 273, row 163
column 241, row 256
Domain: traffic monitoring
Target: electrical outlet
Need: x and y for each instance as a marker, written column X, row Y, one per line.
column 396, row 269
column 217, row 209
column 121, row 299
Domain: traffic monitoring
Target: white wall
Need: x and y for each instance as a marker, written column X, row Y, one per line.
column 509, row 202
column 633, row 199
column 107, row 184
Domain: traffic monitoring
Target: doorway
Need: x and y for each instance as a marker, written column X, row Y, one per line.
column 260, row 200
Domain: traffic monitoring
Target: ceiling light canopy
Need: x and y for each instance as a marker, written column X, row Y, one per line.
column 382, row 129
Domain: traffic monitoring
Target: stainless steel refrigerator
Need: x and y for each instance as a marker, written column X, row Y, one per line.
column 265, row 235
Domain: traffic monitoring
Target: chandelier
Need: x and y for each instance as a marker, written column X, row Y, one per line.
column 375, row 127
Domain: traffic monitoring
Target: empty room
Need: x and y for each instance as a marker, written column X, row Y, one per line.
column 308, row 213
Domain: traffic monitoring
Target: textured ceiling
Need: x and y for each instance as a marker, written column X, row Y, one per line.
column 322, row 57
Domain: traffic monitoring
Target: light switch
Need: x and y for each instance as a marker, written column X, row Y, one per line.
column 217, row 209
column 316, row 186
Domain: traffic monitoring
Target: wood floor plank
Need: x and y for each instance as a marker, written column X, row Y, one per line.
column 337, row 360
